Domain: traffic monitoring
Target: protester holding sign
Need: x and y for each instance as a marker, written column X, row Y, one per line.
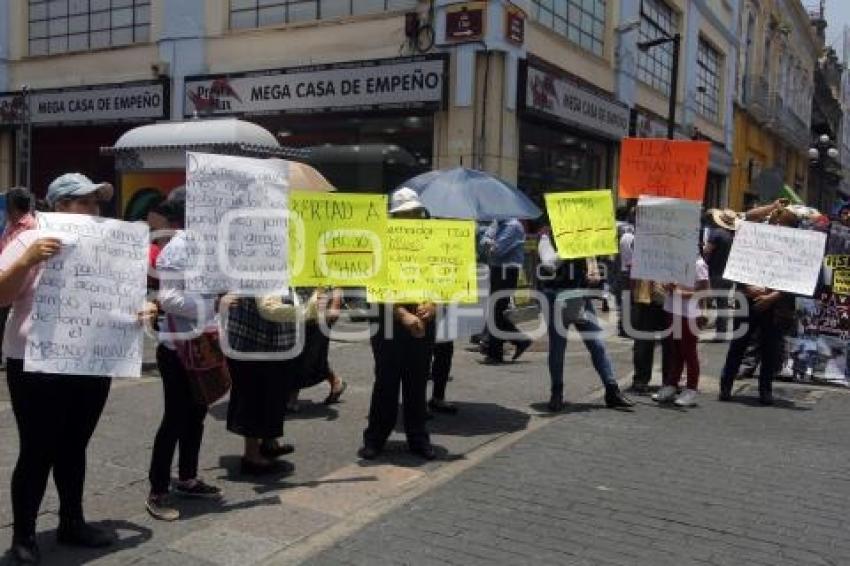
column 683, row 311
column 768, row 312
column 56, row 414
column 19, row 218
column 402, row 347
column 564, row 284
column 183, row 316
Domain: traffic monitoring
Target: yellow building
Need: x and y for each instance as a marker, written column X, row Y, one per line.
column 773, row 103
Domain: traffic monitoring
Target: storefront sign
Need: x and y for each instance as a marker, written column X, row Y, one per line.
column 464, row 23
column 104, row 103
column 515, row 25
column 556, row 96
column 391, row 83
column 664, row 168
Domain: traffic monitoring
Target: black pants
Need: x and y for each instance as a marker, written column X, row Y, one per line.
column 401, row 362
column 501, row 279
column 56, row 417
column 722, row 304
column 770, row 340
column 441, row 367
column 648, row 319
column 182, row 424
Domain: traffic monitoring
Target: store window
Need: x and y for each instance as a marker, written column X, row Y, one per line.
column 61, row 26
column 558, row 159
column 580, row 21
column 709, row 68
column 246, row 14
column 359, row 153
column 657, row 19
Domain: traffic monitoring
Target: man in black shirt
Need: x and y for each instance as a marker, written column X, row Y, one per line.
column 716, row 250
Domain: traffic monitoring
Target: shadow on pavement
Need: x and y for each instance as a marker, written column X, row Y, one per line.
column 476, row 419
column 542, row 408
column 231, row 465
column 312, row 483
column 191, row 508
column 778, row 403
column 131, row 535
column 310, row 410
column 396, row 453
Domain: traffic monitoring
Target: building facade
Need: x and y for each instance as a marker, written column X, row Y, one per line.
column 773, row 102
column 535, row 91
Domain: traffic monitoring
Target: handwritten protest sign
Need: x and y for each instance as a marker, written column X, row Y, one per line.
column 428, row 260
column 583, row 223
column 338, row 242
column 236, row 216
column 666, row 240
column 776, row 257
column 664, row 168
column 86, row 304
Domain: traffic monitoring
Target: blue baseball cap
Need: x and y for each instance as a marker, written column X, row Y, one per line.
column 72, row 185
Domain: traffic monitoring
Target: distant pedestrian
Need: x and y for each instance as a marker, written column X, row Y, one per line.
column 683, row 312
column 504, row 246
column 20, row 204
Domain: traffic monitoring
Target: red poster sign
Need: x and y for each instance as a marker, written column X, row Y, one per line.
column 664, row 168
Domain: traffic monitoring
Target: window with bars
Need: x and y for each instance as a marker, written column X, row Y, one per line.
column 245, row 14
column 580, row 21
column 657, row 19
column 61, row 26
column 709, row 66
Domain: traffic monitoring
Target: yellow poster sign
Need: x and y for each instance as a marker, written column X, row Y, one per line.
column 335, row 239
column 428, row 260
column 583, row 223
column 841, row 282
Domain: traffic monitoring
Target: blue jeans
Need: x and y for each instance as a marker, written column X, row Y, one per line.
column 591, row 336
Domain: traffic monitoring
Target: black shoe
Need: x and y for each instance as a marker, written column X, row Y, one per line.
column 426, row 451
column 441, row 406
column 81, row 534
column 273, row 451
column 276, row 467
column 614, row 399
column 369, row 452
column 556, row 403
column 521, row 347
column 766, row 399
column 492, row 361
column 725, row 395
column 641, row 389
column 25, row 552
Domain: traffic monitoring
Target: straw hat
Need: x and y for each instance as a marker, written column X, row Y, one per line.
column 726, row 218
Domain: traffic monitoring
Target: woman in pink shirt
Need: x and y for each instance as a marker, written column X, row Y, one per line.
column 56, row 414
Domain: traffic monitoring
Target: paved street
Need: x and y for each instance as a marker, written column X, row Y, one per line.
column 719, row 484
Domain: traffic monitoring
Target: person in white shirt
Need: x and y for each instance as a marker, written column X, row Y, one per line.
column 683, row 310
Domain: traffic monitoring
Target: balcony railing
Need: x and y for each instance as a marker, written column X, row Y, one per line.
column 769, row 108
column 757, row 97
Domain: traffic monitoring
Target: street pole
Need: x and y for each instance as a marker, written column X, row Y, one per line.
column 674, row 87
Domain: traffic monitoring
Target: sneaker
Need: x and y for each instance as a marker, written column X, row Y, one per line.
column 665, row 394
column 158, row 507
column 196, row 489
column 687, row 398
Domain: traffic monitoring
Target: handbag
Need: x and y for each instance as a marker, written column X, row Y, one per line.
column 205, row 365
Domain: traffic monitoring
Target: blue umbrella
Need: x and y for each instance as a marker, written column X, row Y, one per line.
column 471, row 194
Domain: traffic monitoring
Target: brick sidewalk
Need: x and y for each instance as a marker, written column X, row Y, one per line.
column 721, row 484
